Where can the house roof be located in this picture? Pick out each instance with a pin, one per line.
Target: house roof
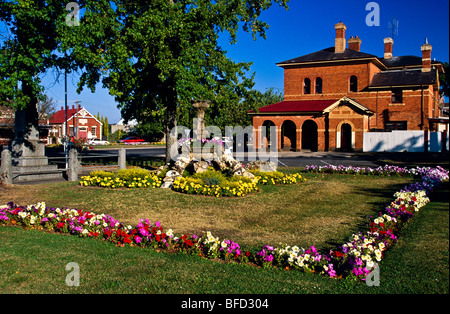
(309, 106)
(59, 117)
(405, 61)
(412, 77)
(328, 55)
(292, 106)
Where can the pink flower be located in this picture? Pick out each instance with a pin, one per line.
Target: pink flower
(137, 239)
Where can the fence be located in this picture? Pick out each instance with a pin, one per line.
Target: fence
(410, 141)
(71, 169)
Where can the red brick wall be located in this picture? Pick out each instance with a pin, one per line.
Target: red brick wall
(336, 83)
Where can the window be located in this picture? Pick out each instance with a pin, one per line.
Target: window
(94, 131)
(307, 86)
(396, 125)
(397, 96)
(318, 85)
(353, 83)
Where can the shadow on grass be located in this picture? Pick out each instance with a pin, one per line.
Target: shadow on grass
(380, 198)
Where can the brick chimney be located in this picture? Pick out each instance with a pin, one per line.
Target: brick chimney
(426, 56)
(388, 47)
(354, 43)
(339, 42)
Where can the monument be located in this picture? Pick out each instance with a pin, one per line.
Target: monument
(201, 155)
(28, 151)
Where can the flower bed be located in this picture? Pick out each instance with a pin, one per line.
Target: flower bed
(210, 183)
(356, 257)
(213, 183)
(129, 178)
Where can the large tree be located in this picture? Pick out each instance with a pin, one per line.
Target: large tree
(156, 56)
(28, 47)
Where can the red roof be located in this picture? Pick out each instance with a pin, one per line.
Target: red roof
(60, 116)
(298, 106)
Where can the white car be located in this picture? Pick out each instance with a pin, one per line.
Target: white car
(97, 141)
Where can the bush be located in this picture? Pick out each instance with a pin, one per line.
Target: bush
(130, 178)
(132, 173)
(210, 177)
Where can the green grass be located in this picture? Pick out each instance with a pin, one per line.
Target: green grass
(34, 261)
(323, 211)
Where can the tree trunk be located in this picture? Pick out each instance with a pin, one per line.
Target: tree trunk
(171, 123)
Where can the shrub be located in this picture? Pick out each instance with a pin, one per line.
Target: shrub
(132, 173)
(210, 177)
(130, 178)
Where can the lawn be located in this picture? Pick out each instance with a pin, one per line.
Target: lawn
(323, 211)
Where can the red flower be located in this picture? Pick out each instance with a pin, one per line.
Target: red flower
(127, 240)
(247, 254)
(60, 225)
(158, 238)
(338, 254)
(189, 242)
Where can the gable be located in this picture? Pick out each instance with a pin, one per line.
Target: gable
(347, 106)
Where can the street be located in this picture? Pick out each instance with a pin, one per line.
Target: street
(285, 159)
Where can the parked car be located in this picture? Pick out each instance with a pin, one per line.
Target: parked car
(132, 139)
(97, 141)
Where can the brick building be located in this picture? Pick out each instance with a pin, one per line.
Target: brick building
(81, 123)
(333, 96)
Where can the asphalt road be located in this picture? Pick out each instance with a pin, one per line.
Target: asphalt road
(284, 159)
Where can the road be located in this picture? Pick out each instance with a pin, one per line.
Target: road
(285, 159)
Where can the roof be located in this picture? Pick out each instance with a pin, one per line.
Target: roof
(310, 106)
(297, 106)
(328, 54)
(412, 77)
(59, 116)
(405, 61)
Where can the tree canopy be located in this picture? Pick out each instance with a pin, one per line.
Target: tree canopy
(156, 56)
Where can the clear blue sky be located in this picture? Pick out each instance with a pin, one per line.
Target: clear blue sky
(306, 27)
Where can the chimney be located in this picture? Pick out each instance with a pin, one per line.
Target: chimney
(426, 56)
(388, 47)
(354, 43)
(339, 42)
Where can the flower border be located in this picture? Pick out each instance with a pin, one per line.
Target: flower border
(355, 258)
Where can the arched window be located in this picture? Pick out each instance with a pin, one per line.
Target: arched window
(353, 83)
(318, 85)
(307, 86)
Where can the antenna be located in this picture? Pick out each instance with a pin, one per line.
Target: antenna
(393, 28)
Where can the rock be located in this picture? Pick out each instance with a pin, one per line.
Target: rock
(167, 185)
(263, 166)
(200, 166)
(247, 174)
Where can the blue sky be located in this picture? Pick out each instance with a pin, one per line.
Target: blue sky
(306, 27)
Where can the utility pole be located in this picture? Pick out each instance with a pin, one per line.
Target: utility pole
(66, 138)
(76, 117)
